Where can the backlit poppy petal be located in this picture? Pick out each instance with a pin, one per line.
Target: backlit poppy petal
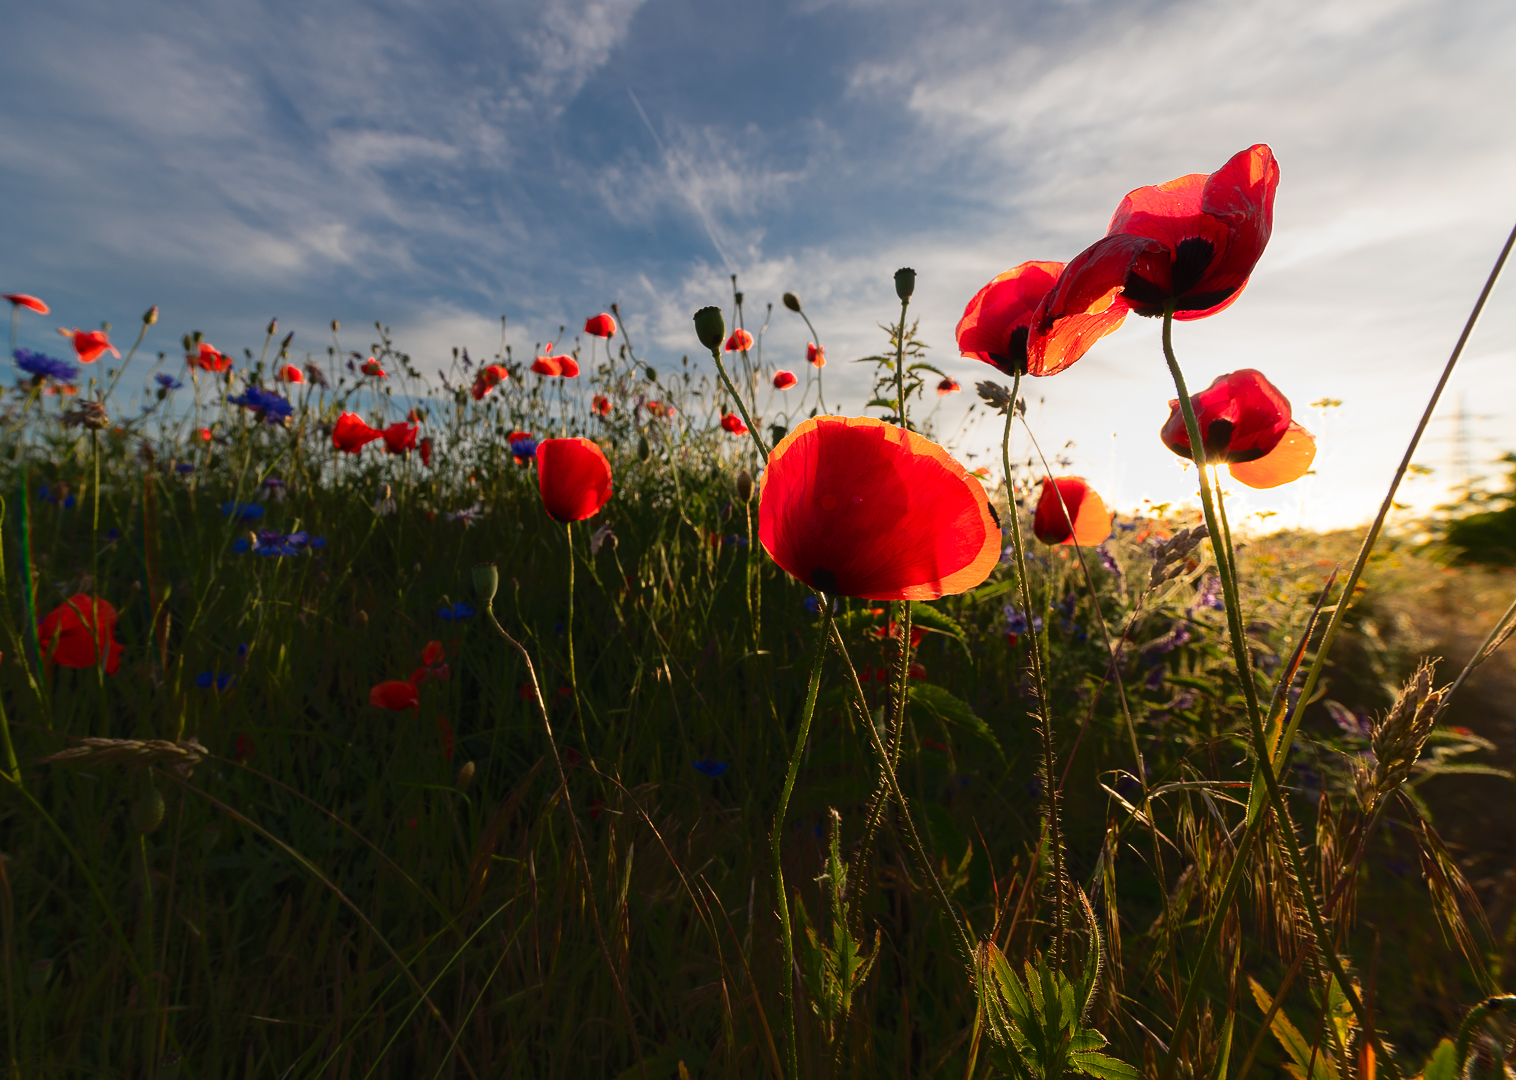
(997, 321)
(602, 326)
(89, 344)
(208, 358)
(350, 434)
(1070, 512)
(857, 507)
(733, 423)
(783, 380)
(740, 341)
(948, 386)
(1290, 459)
(600, 405)
(816, 354)
(547, 365)
(371, 367)
(568, 366)
(23, 300)
(1242, 416)
(394, 695)
(426, 452)
(73, 631)
(574, 478)
(290, 374)
(400, 437)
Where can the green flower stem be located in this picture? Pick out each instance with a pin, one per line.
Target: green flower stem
(913, 838)
(726, 380)
(1237, 633)
(1039, 675)
(897, 731)
(568, 629)
(787, 980)
(28, 589)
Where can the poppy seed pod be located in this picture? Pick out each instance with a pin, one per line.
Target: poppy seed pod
(745, 485)
(905, 282)
(792, 302)
(643, 449)
(486, 581)
(148, 811)
(710, 327)
(652, 373)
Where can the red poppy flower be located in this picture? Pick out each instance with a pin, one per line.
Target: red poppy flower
(948, 386)
(733, 423)
(1245, 423)
(489, 377)
(208, 358)
(23, 300)
(547, 365)
(72, 633)
(371, 367)
(291, 374)
(662, 410)
(432, 653)
(602, 326)
(569, 365)
(740, 341)
(350, 434)
(574, 478)
(1193, 241)
(426, 452)
(783, 380)
(857, 507)
(892, 630)
(400, 437)
(1069, 512)
(205, 434)
(394, 695)
(816, 354)
(89, 344)
(601, 405)
(1001, 325)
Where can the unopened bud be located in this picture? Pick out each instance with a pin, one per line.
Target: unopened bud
(147, 812)
(273, 327)
(744, 485)
(652, 374)
(465, 776)
(188, 343)
(792, 302)
(905, 282)
(335, 326)
(150, 316)
(285, 344)
(710, 327)
(643, 449)
(486, 581)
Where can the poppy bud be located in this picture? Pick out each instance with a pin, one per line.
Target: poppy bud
(465, 776)
(285, 344)
(643, 450)
(652, 374)
(486, 581)
(187, 343)
(147, 812)
(150, 316)
(792, 302)
(744, 485)
(710, 327)
(905, 282)
(335, 326)
(273, 327)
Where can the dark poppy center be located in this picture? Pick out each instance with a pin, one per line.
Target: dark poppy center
(1191, 258)
(825, 580)
(1014, 361)
(1218, 438)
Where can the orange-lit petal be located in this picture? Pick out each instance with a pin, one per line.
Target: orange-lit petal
(1290, 459)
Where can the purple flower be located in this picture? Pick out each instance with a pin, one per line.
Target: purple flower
(35, 363)
(1179, 635)
(525, 448)
(184, 467)
(1108, 560)
(1016, 621)
(270, 407)
(1210, 595)
(1355, 724)
(218, 679)
(710, 767)
(244, 511)
(1154, 681)
(271, 544)
(456, 612)
(168, 382)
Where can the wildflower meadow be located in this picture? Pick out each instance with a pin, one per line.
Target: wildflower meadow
(604, 713)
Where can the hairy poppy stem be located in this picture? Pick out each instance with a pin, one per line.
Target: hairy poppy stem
(1263, 766)
(752, 428)
(776, 839)
(897, 733)
(1050, 782)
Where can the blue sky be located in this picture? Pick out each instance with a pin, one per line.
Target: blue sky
(435, 165)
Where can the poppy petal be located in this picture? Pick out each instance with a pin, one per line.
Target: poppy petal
(574, 478)
(1290, 459)
(1069, 511)
(988, 329)
(857, 507)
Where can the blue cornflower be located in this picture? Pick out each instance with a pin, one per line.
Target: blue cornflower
(167, 381)
(113, 534)
(1016, 621)
(218, 679)
(272, 543)
(271, 407)
(813, 607)
(35, 363)
(456, 612)
(710, 767)
(242, 652)
(524, 448)
(184, 467)
(245, 511)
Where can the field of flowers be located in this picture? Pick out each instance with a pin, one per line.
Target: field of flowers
(574, 717)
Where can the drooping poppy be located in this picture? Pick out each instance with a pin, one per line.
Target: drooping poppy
(816, 354)
(426, 452)
(574, 478)
(208, 358)
(733, 423)
(601, 326)
(548, 365)
(948, 386)
(21, 300)
(371, 367)
(1070, 512)
(568, 366)
(783, 380)
(72, 633)
(89, 344)
(1001, 325)
(1245, 423)
(600, 405)
(1192, 241)
(291, 374)
(740, 341)
(490, 376)
(394, 695)
(350, 434)
(857, 507)
(400, 437)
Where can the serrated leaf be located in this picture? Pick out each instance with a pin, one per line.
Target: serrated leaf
(943, 705)
(929, 618)
(1443, 1064)
(1103, 1067)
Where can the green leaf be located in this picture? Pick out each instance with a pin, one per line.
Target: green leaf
(946, 707)
(1294, 1043)
(1443, 1064)
(929, 618)
(1103, 1067)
